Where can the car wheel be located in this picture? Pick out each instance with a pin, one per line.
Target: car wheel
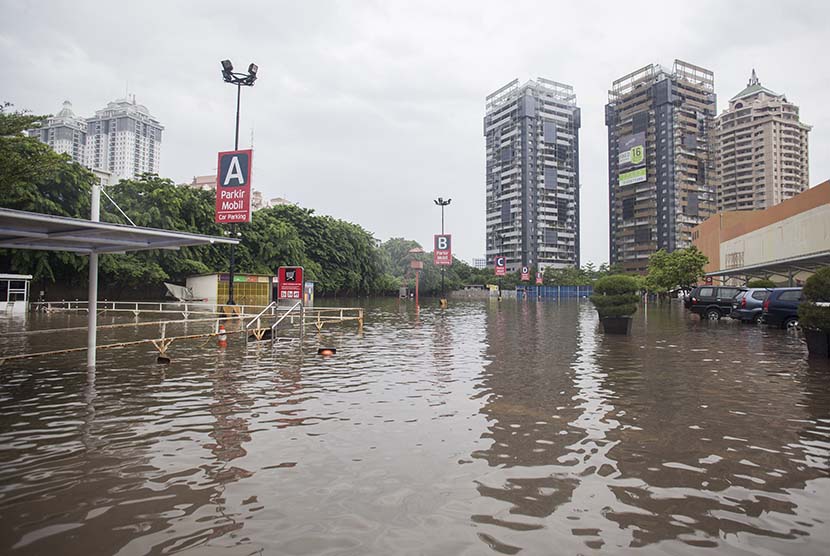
(757, 319)
(713, 314)
(791, 323)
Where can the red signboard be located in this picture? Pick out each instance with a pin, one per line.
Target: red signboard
(290, 283)
(539, 280)
(233, 187)
(500, 265)
(525, 274)
(442, 251)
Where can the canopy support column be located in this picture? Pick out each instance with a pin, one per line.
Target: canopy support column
(92, 320)
(92, 293)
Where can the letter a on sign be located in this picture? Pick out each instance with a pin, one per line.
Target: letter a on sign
(234, 173)
(233, 187)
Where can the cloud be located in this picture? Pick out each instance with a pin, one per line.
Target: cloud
(367, 111)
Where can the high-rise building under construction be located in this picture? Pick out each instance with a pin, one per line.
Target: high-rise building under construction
(532, 175)
(660, 160)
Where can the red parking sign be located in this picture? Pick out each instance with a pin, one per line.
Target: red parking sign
(233, 187)
(500, 265)
(525, 274)
(442, 251)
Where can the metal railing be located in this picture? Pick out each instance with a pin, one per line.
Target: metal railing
(282, 318)
(137, 307)
(257, 318)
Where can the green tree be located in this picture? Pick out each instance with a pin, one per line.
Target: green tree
(157, 202)
(676, 270)
(37, 179)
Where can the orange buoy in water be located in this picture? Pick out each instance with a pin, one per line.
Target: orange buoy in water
(223, 338)
(326, 351)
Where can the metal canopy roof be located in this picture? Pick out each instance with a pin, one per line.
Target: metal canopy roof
(782, 267)
(30, 230)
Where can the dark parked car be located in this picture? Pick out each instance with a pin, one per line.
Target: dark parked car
(781, 307)
(748, 305)
(712, 302)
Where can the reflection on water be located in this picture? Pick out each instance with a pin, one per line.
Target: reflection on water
(491, 427)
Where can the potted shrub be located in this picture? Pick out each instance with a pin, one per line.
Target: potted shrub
(615, 298)
(814, 313)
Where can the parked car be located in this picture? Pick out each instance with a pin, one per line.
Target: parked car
(712, 302)
(781, 307)
(748, 305)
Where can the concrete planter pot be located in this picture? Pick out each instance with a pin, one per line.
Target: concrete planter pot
(616, 325)
(818, 343)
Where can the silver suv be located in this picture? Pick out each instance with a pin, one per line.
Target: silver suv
(748, 305)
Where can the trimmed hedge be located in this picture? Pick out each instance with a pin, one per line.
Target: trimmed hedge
(615, 295)
(817, 289)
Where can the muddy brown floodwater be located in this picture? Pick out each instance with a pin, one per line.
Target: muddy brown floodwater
(513, 427)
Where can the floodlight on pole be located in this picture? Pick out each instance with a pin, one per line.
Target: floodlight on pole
(442, 203)
(238, 79)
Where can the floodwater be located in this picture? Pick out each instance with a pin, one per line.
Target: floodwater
(512, 427)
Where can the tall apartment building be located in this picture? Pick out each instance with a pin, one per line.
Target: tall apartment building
(660, 162)
(761, 155)
(532, 174)
(124, 139)
(65, 133)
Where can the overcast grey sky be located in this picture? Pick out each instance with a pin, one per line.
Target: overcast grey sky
(369, 110)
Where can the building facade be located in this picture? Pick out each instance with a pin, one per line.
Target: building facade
(124, 139)
(205, 183)
(786, 242)
(65, 133)
(532, 175)
(761, 156)
(479, 263)
(660, 160)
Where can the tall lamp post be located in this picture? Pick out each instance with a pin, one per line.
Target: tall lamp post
(442, 203)
(238, 79)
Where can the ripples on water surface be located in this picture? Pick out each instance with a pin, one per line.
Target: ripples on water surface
(506, 428)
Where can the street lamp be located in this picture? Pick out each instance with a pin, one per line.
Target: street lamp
(238, 79)
(442, 203)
